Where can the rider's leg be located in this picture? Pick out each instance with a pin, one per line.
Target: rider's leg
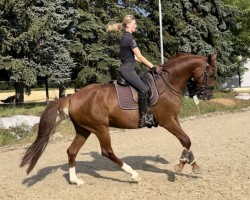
(146, 119)
(129, 74)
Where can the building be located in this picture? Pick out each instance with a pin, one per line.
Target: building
(233, 82)
(246, 76)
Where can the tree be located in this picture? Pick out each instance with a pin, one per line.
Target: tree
(241, 41)
(66, 39)
(193, 26)
(32, 40)
(99, 60)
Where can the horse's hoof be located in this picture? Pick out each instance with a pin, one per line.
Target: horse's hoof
(77, 182)
(178, 169)
(136, 177)
(197, 170)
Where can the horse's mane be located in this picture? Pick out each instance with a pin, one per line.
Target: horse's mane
(178, 60)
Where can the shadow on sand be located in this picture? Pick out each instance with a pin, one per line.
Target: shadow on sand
(100, 163)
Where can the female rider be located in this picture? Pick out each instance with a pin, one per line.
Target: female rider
(129, 53)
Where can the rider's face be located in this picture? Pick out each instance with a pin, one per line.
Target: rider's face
(131, 27)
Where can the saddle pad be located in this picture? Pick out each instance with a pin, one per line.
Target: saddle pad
(125, 97)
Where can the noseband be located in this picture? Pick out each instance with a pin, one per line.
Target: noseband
(204, 89)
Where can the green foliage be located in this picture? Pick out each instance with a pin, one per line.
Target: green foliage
(200, 27)
(241, 41)
(99, 60)
(6, 137)
(21, 69)
(33, 44)
(25, 109)
(12, 135)
(67, 39)
(226, 103)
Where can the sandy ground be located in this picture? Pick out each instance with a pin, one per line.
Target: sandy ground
(221, 145)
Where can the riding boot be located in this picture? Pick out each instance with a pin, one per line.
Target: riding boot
(146, 118)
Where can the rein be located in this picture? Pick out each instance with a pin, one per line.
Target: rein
(175, 92)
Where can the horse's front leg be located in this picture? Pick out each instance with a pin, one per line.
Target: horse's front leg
(187, 156)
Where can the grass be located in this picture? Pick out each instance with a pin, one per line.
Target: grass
(18, 135)
(26, 109)
(188, 108)
(6, 137)
(227, 103)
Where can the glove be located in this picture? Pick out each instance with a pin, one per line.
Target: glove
(157, 69)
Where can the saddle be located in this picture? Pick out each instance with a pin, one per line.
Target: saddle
(128, 96)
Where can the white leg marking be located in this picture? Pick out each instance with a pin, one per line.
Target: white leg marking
(66, 111)
(135, 176)
(73, 178)
(58, 119)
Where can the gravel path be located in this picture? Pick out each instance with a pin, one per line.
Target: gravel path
(221, 145)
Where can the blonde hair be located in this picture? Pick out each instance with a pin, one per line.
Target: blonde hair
(121, 26)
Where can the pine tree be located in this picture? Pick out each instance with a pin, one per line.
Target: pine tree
(100, 60)
(241, 39)
(33, 44)
(192, 26)
(63, 39)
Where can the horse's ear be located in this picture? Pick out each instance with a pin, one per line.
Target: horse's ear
(212, 58)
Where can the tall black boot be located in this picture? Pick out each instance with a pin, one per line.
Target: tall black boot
(146, 118)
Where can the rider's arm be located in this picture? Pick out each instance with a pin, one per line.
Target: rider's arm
(141, 58)
(137, 59)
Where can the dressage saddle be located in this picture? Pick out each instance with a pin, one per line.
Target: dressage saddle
(143, 76)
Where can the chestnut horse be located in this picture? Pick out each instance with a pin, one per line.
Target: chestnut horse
(94, 109)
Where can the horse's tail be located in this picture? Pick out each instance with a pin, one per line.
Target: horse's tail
(50, 118)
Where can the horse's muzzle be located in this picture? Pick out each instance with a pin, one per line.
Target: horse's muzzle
(205, 93)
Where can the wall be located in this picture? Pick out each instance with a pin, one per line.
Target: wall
(246, 77)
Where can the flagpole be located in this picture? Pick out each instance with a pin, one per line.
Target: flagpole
(161, 38)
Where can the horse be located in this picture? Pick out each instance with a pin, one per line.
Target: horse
(94, 108)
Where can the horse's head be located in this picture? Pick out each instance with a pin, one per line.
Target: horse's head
(198, 70)
(203, 79)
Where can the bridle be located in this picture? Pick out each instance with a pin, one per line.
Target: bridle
(204, 89)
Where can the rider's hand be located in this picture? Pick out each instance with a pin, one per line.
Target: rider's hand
(157, 69)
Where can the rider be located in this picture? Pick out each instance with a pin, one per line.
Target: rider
(129, 52)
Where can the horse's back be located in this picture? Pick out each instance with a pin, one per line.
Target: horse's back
(98, 104)
(93, 102)
(93, 94)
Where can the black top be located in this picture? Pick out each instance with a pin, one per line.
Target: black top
(127, 44)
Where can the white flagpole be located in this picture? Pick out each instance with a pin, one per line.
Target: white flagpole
(161, 38)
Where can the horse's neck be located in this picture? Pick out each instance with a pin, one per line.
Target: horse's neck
(179, 77)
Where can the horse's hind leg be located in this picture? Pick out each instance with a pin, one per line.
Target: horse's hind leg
(79, 140)
(107, 151)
